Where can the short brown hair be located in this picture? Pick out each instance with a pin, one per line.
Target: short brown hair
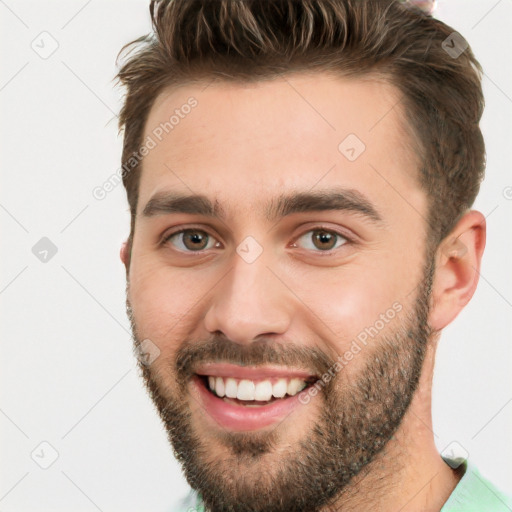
(248, 40)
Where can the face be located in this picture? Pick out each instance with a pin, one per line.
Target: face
(284, 312)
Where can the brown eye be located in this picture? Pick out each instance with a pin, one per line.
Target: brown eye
(191, 240)
(323, 240)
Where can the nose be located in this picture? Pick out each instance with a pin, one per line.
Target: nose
(249, 301)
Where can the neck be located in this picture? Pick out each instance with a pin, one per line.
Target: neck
(408, 475)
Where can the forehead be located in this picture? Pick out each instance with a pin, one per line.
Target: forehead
(241, 141)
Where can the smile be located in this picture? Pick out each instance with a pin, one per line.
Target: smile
(243, 398)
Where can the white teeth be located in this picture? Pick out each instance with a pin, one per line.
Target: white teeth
(279, 388)
(219, 387)
(261, 391)
(231, 388)
(294, 386)
(245, 390)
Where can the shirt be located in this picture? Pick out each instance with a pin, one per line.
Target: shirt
(473, 493)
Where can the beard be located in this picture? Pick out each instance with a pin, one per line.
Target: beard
(261, 471)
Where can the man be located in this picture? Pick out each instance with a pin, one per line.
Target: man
(300, 176)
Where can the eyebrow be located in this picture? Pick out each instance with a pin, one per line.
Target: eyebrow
(341, 199)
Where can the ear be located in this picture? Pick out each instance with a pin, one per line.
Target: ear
(457, 271)
(124, 254)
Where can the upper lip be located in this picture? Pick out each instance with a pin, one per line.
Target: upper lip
(251, 372)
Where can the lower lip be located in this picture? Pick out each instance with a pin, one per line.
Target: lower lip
(240, 417)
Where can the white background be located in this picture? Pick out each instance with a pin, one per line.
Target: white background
(67, 372)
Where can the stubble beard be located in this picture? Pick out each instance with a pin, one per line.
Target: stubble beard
(359, 416)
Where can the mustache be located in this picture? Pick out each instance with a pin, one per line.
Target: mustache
(220, 349)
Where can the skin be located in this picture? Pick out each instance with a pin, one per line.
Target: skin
(242, 145)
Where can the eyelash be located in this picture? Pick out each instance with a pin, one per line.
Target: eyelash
(348, 240)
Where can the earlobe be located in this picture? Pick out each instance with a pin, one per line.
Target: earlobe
(458, 259)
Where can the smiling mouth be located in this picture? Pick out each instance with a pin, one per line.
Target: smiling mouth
(245, 398)
(255, 392)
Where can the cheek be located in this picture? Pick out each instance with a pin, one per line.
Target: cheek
(361, 301)
(164, 304)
